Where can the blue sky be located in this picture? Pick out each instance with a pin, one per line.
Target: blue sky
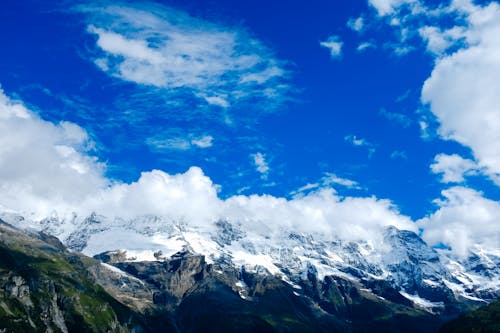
(281, 98)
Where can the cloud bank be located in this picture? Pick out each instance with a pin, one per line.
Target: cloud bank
(464, 220)
(46, 170)
(162, 47)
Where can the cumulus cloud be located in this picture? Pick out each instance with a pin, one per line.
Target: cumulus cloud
(158, 46)
(453, 167)
(438, 40)
(43, 164)
(465, 219)
(334, 45)
(323, 212)
(463, 102)
(386, 7)
(461, 90)
(45, 170)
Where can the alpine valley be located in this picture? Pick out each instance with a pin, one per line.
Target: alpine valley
(154, 274)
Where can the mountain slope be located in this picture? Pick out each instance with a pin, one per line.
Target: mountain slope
(44, 288)
(433, 279)
(483, 320)
(224, 276)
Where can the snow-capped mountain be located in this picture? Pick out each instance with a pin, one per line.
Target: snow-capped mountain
(401, 261)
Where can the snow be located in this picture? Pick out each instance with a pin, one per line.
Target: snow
(334, 256)
(422, 302)
(121, 273)
(241, 284)
(430, 283)
(201, 245)
(252, 261)
(277, 253)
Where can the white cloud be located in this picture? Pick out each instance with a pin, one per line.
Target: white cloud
(203, 142)
(464, 219)
(438, 40)
(362, 47)
(387, 7)
(331, 178)
(399, 154)
(260, 162)
(43, 172)
(328, 181)
(218, 100)
(356, 24)
(159, 143)
(462, 94)
(403, 119)
(43, 164)
(355, 140)
(159, 46)
(425, 132)
(360, 142)
(453, 167)
(461, 91)
(334, 45)
(323, 212)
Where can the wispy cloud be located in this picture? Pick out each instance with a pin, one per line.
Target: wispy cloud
(166, 48)
(360, 142)
(364, 46)
(400, 118)
(356, 24)
(329, 180)
(261, 164)
(334, 45)
(159, 143)
(399, 154)
(332, 179)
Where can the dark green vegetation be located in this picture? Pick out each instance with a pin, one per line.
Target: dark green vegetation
(483, 320)
(45, 288)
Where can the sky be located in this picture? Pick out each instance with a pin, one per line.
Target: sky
(336, 117)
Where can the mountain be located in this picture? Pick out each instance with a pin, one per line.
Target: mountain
(45, 288)
(486, 319)
(225, 277)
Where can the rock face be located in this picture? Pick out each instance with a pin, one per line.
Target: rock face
(44, 288)
(153, 275)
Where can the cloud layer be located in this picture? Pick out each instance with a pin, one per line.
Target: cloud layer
(53, 174)
(43, 164)
(166, 48)
(465, 219)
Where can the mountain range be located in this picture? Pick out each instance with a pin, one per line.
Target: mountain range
(152, 274)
